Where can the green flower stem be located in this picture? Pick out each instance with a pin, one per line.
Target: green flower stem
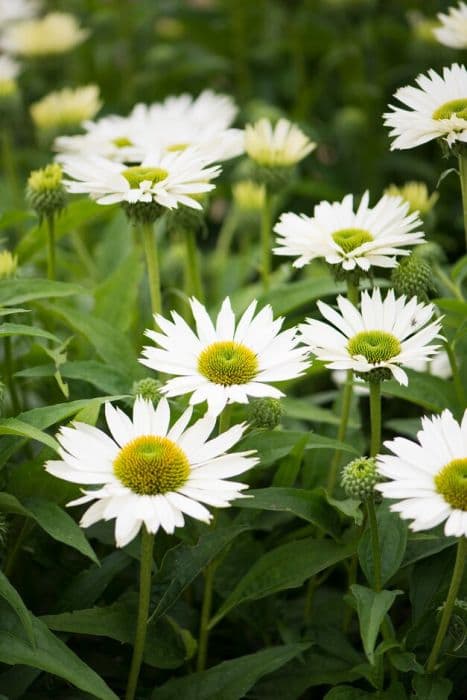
(225, 237)
(205, 616)
(152, 263)
(375, 546)
(448, 283)
(463, 179)
(457, 379)
(193, 281)
(266, 240)
(147, 545)
(51, 247)
(9, 164)
(224, 419)
(375, 418)
(9, 372)
(456, 581)
(352, 292)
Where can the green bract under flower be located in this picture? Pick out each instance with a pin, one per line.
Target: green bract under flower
(351, 238)
(452, 108)
(227, 362)
(451, 483)
(45, 191)
(138, 174)
(151, 465)
(375, 346)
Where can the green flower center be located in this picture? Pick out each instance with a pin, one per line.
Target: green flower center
(456, 108)
(226, 362)
(149, 465)
(177, 147)
(121, 142)
(350, 238)
(137, 174)
(451, 483)
(375, 346)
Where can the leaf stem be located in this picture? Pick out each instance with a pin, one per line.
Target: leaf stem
(51, 268)
(152, 264)
(375, 418)
(205, 616)
(147, 545)
(456, 581)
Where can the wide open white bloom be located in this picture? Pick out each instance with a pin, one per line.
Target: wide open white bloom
(55, 33)
(111, 137)
(368, 237)
(225, 362)
(453, 30)
(169, 179)
(279, 146)
(385, 334)
(14, 10)
(150, 473)
(437, 108)
(430, 475)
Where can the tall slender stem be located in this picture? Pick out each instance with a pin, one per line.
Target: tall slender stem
(456, 377)
(9, 372)
(205, 616)
(266, 240)
(194, 284)
(147, 545)
(51, 247)
(152, 264)
(463, 179)
(456, 581)
(9, 164)
(375, 418)
(375, 546)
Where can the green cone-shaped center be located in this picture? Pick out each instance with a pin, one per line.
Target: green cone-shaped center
(451, 483)
(456, 108)
(226, 362)
(137, 174)
(350, 238)
(121, 142)
(375, 346)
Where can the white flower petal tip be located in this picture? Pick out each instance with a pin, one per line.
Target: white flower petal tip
(149, 473)
(453, 29)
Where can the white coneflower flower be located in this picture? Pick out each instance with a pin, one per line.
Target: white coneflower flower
(369, 237)
(208, 107)
(168, 180)
(66, 108)
(375, 341)
(279, 146)
(453, 30)
(150, 473)
(14, 10)
(437, 109)
(416, 194)
(111, 137)
(227, 362)
(56, 33)
(430, 475)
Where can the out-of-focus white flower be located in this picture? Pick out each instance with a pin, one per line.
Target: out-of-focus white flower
(416, 194)
(55, 33)
(66, 108)
(453, 30)
(279, 146)
(14, 10)
(9, 70)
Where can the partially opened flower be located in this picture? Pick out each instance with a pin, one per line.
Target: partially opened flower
(227, 362)
(417, 196)
(150, 473)
(368, 237)
(376, 341)
(430, 475)
(66, 109)
(437, 108)
(453, 29)
(55, 33)
(279, 146)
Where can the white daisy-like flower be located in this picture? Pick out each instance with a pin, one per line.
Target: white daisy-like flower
(227, 362)
(168, 179)
(15, 10)
(151, 473)
(55, 33)
(208, 107)
(437, 109)
(368, 237)
(111, 137)
(279, 146)
(453, 30)
(430, 475)
(66, 108)
(382, 336)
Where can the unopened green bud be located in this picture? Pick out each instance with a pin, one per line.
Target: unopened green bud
(148, 388)
(413, 277)
(248, 196)
(359, 478)
(265, 413)
(45, 192)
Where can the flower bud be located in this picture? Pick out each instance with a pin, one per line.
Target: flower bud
(45, 192)
(359, 478)
(413, 277)
(265, 413)
(148, 388)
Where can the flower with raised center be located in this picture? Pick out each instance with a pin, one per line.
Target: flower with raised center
(55, 33)
(151, 473)
(279, 146)
(437, 109)
(368, 237)
(111, 137)
(377, 340)
(430, 475)
(160, 181)
(416, 194)
(66, 108)
(453, 29)
(227, 362)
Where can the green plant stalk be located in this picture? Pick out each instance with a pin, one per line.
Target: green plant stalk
(152, 264)
(51, 267)
(456, 377)
(147, 545)
(224, 419)
(266, 241)
(12, 556)
(456, 581)
(463, 179)
(375, 418)
(193, 281)
(203, 639)
(9, 164)
(9, 372)
(448, 283)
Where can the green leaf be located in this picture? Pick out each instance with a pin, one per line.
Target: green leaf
(9, 329)
(11, 595)
(392, 532)
(90, 584)
(126, 276)
(285, 567)
(308, 505)
(303, 409)
(431, 688)
(230, 680)
(100, 375)
(18, 291)
(349, 507)
(372, 607)
(425, 390)
(289, 466)
(346, 692)
(14, 426)
(51, 655)
(288, 297)
(182, 564)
